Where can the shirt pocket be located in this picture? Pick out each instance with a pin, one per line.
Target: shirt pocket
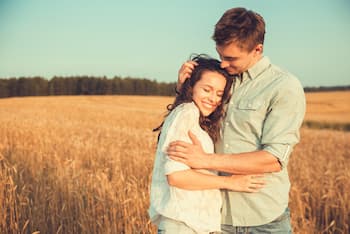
(250, 114)
(252, 105)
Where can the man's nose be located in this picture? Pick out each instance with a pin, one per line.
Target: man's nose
(223, 64)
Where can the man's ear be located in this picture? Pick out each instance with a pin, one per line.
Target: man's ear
(259, 49)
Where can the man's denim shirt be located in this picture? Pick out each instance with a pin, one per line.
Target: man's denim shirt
(265, 112)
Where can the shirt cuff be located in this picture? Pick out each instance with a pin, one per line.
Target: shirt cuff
(280, 151)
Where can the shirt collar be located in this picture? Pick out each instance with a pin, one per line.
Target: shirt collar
(257, 68)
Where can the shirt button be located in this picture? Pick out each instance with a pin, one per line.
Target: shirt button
(227, 123)
(226, 145)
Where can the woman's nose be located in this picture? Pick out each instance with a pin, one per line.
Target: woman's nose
(212, 97)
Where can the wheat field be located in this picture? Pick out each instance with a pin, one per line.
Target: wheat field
(82, 164)
(331, 107)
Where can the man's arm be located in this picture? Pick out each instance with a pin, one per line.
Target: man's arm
(244, 163)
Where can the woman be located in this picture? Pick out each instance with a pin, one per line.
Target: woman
(184, 200)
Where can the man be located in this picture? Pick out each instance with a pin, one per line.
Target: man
(259, 130)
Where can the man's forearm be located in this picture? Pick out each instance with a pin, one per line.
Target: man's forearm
(244, 163)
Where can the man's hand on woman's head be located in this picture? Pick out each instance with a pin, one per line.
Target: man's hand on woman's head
(185, 72)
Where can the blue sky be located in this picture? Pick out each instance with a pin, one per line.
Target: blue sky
(150, 39)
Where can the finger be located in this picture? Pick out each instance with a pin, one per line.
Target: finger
(260, 186)
(253, 190)
(175, 154)
(183, 77)
(174, 150)
(190, 64)
(177, 157)
(262, 182)
(176, 147)
(187, 69)
(193, 62)
(257, 175)
(183, 73)
(249, 190)
(257, 186)
(193, 138)
(180, 144)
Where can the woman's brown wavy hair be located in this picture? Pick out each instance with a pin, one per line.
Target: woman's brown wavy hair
(210, 124)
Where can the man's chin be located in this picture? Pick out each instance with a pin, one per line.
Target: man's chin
(232, 73)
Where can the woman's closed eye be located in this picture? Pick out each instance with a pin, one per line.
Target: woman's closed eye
(220, 95)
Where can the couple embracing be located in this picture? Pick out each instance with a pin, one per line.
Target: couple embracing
(223, 149)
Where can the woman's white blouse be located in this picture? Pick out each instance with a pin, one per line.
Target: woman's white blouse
(199, 209)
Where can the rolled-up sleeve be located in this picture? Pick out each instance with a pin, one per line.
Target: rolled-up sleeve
(285, 116)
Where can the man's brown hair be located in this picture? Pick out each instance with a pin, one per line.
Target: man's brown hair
(242, 26)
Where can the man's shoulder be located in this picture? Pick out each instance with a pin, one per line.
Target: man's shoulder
(284, 78)
(280, 72)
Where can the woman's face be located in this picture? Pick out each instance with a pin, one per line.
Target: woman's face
(208, 92)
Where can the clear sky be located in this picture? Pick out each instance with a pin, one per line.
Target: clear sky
(152, 38)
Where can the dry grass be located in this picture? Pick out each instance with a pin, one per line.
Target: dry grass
(82, 164)
(320, 176)
(330, 107)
